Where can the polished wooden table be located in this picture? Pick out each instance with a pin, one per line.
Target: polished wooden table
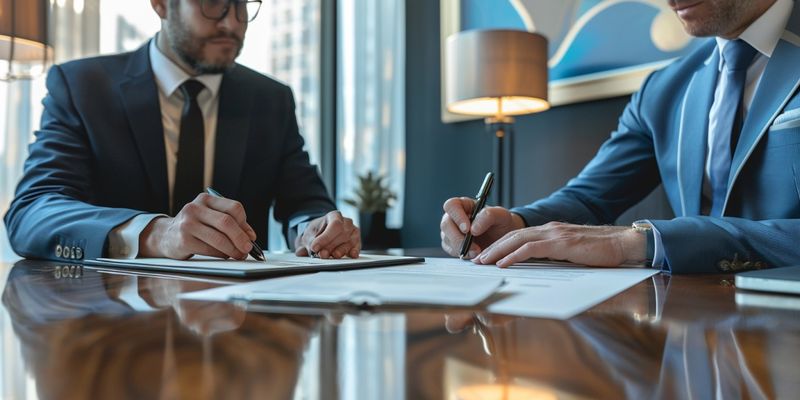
(70, 332)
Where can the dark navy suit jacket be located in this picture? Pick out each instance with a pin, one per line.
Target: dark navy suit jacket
(661, 139)
(99, 157)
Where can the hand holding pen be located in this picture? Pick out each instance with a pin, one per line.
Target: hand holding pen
(466, 217)
(256, 251)
(210, 225)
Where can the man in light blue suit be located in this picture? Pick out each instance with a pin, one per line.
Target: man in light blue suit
(719, 128)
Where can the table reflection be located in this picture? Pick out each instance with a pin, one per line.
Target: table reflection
(92, 335)
(655, 347)
(85, 334)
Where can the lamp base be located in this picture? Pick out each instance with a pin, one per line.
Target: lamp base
(503, 159)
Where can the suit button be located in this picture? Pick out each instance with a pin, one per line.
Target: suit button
(78, 253)
(72, 253)
(58, 250)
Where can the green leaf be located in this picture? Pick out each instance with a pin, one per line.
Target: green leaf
(372, 194)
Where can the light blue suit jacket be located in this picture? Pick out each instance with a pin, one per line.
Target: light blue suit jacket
(662, 138)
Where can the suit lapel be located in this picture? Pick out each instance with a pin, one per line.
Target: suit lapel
(778, 84)
(140, 98)
(692, 140)
(233, 126)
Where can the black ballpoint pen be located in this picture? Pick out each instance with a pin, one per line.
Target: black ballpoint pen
(256, 251)
(480, 201)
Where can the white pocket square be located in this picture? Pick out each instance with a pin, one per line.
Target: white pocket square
(785, 124)
(787, 116)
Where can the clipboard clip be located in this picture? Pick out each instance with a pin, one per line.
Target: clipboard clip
(364, 298)
(358, 299)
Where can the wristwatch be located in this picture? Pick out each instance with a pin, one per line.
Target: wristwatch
(646, 228)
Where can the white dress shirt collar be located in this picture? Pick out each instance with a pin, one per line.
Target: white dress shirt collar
(170, 77)
(765, 32)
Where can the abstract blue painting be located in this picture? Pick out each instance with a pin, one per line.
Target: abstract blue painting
(588, 36)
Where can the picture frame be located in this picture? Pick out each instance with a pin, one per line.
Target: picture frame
(573, 85)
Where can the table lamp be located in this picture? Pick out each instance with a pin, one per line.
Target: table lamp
(497, 74)
(24, 46)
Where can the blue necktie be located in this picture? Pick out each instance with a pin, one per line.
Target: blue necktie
(737, 55)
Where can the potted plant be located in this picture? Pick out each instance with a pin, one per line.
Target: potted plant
(372, 198)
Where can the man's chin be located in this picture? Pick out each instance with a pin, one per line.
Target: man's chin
(215, 65)
(213, 68)
(217, 62)
(199, 65)
(698, 29)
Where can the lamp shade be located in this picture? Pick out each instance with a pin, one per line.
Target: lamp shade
(496, 73)
(23, 33)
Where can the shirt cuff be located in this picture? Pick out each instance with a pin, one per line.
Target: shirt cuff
(298, 225)
(301, 227)
(123, 241)
(659, 257)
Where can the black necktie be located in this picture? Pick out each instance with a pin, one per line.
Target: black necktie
(191, 149)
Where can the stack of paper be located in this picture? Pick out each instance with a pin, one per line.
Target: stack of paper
(535, 290)
(371, 288)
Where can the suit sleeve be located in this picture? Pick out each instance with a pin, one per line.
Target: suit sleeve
(622, 173)
(702, 244)
(52, 215)
(302, 194)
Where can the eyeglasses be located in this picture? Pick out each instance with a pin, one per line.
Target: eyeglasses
(246, 10)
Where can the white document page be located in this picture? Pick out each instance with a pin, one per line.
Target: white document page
(363, 287)
(540, 290)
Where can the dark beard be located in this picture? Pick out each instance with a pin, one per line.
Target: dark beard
(190, 49)
(189, 56)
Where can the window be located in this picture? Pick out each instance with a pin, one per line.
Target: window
(125, 27)
(371, 98)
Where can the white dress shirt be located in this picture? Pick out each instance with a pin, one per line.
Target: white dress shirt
(123, 241)
(763, 34)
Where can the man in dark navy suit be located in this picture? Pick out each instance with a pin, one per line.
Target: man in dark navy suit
(719, 129)
(129, 142)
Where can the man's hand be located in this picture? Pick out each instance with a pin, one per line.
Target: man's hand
(330, 236)
(490, 224)
(209, 226)
(601, 246)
